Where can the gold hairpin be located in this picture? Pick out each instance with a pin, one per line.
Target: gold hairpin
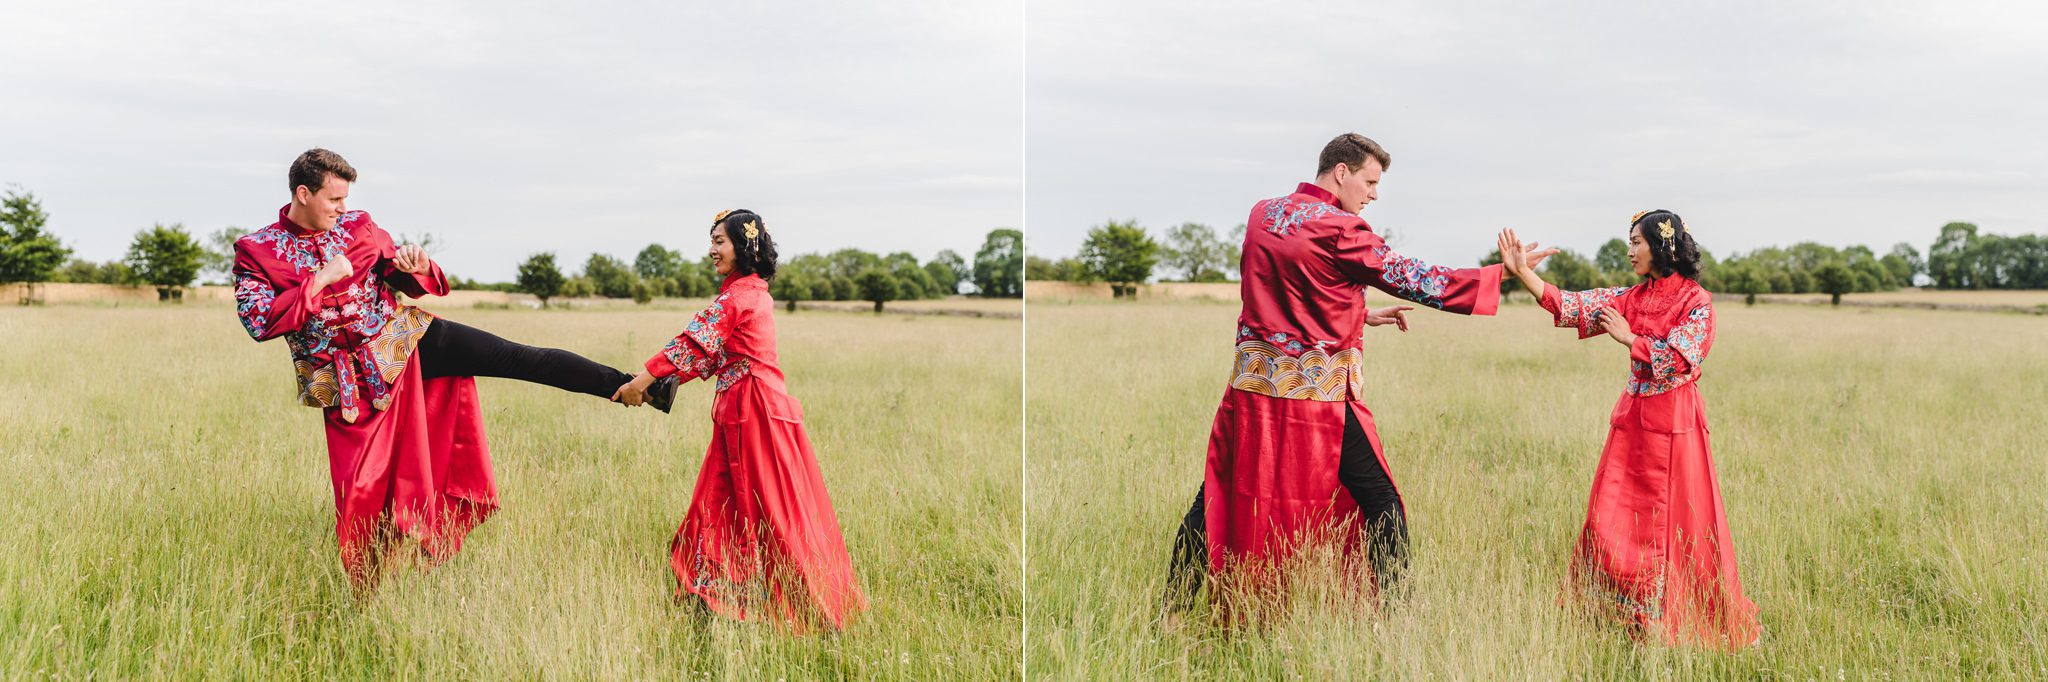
(721, 216)
(753, 231)
(1664, 229)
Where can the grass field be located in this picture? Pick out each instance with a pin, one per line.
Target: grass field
(1883, 473)
(169, 513)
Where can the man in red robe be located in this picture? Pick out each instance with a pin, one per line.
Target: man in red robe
(1293, 449)
(405, 436)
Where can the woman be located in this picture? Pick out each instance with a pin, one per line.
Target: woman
(760, 539)
(1655, 549)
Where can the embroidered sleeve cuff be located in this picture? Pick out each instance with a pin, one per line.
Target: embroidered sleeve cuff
(1640, 349)
(659, 365)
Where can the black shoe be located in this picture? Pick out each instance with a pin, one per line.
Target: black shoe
(662, 393)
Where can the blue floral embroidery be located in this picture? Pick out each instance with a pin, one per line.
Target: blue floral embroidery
(1413, 279)
(1674, 359)
(1284, 215)
(252, 304)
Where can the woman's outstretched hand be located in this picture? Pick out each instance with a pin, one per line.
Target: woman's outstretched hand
(1521, 260)
(1389, 315)
(1611, 323)
(634, 393)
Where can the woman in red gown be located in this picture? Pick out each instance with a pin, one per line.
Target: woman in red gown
(1655, 550)
(760, 539)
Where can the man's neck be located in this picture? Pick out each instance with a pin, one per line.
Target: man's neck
(298, 217)
(1328, 182)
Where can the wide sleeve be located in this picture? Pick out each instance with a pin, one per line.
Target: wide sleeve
(1366, 259)
(417, 285)
(699, 351)
(1679, 352)
(1575, 308)
(266, 312)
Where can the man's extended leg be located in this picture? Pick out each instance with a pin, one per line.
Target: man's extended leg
(453, 349)
(1379, 503)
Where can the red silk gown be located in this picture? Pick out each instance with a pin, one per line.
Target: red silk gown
(1275, 447)
(404, 453)
(1655, 550)
(760, 538)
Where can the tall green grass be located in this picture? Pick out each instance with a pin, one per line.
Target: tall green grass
(168, 512)
(1885, 474)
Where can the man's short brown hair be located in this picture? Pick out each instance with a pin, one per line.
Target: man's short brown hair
(1351, 149)
(313, 166)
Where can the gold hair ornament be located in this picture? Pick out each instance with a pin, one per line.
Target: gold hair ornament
(753, 231)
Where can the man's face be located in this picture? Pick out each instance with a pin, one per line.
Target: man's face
(325, 204)
(1356, 188)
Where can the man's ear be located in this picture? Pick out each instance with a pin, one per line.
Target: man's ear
(301, 195)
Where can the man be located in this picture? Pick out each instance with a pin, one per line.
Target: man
(1293, 449)
(405, 436)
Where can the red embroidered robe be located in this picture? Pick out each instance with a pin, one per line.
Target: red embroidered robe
(1275, 447)
(1656, 546)
(760, 537)
(401, 450)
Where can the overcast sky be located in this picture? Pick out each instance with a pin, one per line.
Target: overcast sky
(509, 128)
(1761, 123)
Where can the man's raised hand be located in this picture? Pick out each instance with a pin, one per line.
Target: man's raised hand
(412, 259)
(337, 269)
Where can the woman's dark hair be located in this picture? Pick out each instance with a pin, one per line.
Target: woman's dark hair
(1677, 253)
(754, 256)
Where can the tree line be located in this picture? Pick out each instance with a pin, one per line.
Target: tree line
(170, 258)
(1124, 254)
(843, 275)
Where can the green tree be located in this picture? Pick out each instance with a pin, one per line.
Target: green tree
(539, 276)
(82, 271)
(219, 262)
(947, 270)
(656, 262)
(609, 275)
(850, 263)
(27, 253)
(166, 257)
(999, 265)
(1612, 259)
(1121, 254)
(1834, 279)
(1904, 263)
(844, 289)
(879, 286)
(791, 287)
(695, 282)
(1946, 262)
(578, 287)
(1572, 272)
(1062, 270)
(915, 283)
(1194, 251)
(1743, 278)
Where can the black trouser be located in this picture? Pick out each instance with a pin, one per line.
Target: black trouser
(1359, 470)
(453, 349)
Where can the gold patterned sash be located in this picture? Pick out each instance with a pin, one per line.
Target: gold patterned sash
(389, 349)
(1263, 369)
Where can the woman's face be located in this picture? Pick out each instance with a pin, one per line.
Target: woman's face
(1639, 252)
(721, 251)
